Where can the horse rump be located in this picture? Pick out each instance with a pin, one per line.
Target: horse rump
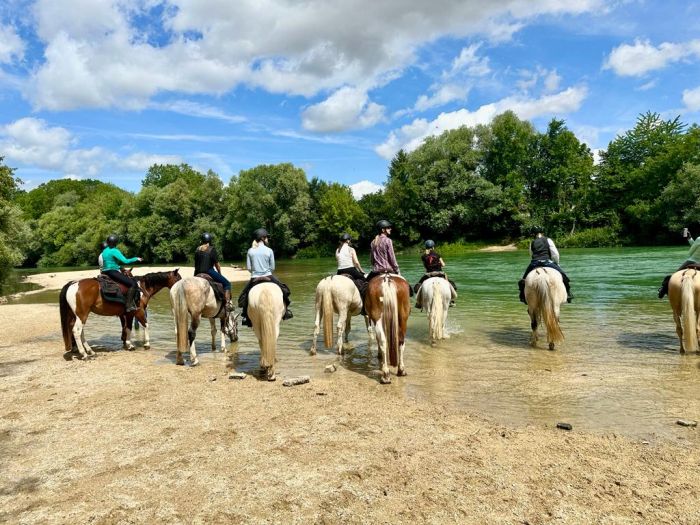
(390, 320)
(67, 318)
(689, 315)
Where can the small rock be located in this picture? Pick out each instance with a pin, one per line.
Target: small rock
(584, 375)
(296, 381)
(564, 426)
(321, 394)
(212, 378)
(686, 423)
(547, 369)
(237, 375)
(645, 442)
(331, 368)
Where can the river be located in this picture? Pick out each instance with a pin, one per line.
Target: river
(619, 369)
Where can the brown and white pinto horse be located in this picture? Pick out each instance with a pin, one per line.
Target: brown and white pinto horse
(79, 298)
(388, 306)
(684, 296)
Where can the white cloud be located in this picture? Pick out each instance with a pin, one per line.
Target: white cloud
(469, 62)
(364, 187)
(444, 95)
(551, 81)
(195, 109)
(11, 45)
(97, 56)
(641, 57)
(691, 99)
(529, 79)
(143, 161)
(347, 108)
(410, 136)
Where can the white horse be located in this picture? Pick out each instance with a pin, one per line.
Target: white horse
(265, 311)
(434, 295)
(545, 292)
(194, 298)
(336, 294)
(684, 296)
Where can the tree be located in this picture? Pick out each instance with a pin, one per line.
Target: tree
(13, 230)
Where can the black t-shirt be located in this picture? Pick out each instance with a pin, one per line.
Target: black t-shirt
(431, 261)
(204, 260)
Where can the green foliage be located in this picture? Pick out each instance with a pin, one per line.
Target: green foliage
(592, 238)
(315, 252)
(14, 231)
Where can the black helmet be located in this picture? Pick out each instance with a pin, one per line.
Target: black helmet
(206, 238)
(537, 229)
(429, 244)
(383, 224)
(345, 237)
(112, 241)
(260, 234)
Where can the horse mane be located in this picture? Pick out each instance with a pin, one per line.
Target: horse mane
(153, 279)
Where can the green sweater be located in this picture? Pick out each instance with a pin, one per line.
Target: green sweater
(112, 257)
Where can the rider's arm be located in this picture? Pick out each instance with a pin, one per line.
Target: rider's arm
(391, 256)
(120, 257)
(355, 261)
(553, 251)
(272, 261)
(442, 263)
(248, 263)
(694, 249)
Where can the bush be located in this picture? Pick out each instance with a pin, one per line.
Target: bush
(604, 237)
(315, 252)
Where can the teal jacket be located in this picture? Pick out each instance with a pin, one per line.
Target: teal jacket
(694, 254)
(112, 258)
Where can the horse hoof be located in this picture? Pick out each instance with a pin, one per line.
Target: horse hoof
(272, 377)
(312, 351)
(385, 380)
(551, 346)
(146, 347)
(180, 362)
(401, 373)
(195, 362)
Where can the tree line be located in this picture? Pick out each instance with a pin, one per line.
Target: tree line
(487, 183)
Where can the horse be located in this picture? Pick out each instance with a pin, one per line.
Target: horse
(78, 298)
(194, 297)
(388, 307)
(265, 311)
(338, 294)
(684, 296)
(434, 294)
(544, 293)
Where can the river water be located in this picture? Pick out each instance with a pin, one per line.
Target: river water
(619, 369)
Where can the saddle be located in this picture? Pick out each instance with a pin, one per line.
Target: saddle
(216, 286)
(111, 291)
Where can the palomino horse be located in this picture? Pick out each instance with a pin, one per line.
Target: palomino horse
(388, 307)
(684, 296)
(338, 294)
(434, 295)
(194, 298)
(79, 298)
(265, 311)
(545, 292)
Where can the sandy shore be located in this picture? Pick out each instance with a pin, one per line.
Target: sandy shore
(123, 439)
(504, 248)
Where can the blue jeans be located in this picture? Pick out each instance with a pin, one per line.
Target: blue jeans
(219, 278)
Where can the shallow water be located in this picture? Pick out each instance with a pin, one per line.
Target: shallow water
(619, 369)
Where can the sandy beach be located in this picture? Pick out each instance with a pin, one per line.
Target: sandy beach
(122, 439)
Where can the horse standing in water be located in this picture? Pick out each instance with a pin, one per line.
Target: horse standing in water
(684, 296)
(545, 292)
(194, 298)
(78, 298)
(336, 293)
(388, 307)
(265, 311)
(434, 294)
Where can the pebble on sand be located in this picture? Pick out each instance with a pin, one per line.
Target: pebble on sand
(686, 423)
(564, 426)
(296, 381)
(237, 375)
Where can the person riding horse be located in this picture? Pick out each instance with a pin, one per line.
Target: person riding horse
(692, 260)
(544, 253)
(111, 259)
(433, 264)
(346, 256)
(260, 262)
(381, 254)
(206, 260)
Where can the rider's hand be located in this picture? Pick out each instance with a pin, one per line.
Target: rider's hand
(140, 259)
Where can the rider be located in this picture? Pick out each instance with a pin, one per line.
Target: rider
(434, 264)
(261, 263)
(692, 260)
(381, 254)
(346, 256)
(100, 259)
(112, 258)
(206, 260)
(544, 253)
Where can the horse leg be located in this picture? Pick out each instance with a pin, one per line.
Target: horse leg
(348, 327)
(402, 368)
(212, 327)
(341, 329)
(679, 330)
(143, 320)
(191, 334)
(533, 326)
(78, 336)
(317, 329)
(88, 349)
(385, 378)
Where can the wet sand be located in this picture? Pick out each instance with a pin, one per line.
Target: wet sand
(122, 439)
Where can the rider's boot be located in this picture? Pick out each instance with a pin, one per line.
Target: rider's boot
(521, 285)
(131, 305)
(664, 287)
(287, 314)
(228, 305)
(569, 295)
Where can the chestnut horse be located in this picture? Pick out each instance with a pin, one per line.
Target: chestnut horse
(79, 298)
(545, 292)
(388, 307)
(684, 296)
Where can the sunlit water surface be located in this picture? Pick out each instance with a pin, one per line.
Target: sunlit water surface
(619, 369)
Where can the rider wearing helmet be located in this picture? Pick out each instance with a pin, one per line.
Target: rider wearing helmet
(381, 253)
(346, 256)
(260, 262)
(206, 260)
(112, 259)
(433, 264)
(544, 253)
(693, 260)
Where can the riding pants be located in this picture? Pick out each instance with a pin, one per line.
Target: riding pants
(219, 278)
(132, 294)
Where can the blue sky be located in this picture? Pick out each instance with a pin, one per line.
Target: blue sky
(105, 88)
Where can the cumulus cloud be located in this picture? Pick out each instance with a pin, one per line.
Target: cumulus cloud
(410, 136)
(530, 79)
(100, 53)
(443, 95)
(11, 45)
(364, 187)
(347, 108)
(467, 61)
(641, 57)
(691, 99)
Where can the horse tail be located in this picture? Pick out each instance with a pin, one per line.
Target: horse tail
(546, 300)
(436, 311)
(267, 326)
(327, 312)
(688, 313)
(180, 311)
(67, 318)
(390, 320)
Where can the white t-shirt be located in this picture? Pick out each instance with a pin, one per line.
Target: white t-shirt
(344, 256)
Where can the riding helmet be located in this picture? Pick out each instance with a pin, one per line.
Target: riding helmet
(537, 229)
(206, 238)
(345, 237)
(383, 224)
(260, 234)
(112, 241)
(429, 244)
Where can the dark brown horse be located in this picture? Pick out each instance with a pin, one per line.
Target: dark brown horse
(388, 306)
(79, 298)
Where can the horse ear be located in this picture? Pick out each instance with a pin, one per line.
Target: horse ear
(176, 270)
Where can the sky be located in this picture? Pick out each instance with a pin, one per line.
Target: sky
(103, 89)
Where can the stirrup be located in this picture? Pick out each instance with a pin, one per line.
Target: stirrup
(287, 315)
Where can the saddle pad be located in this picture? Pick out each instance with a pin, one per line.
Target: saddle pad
(110, 290)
